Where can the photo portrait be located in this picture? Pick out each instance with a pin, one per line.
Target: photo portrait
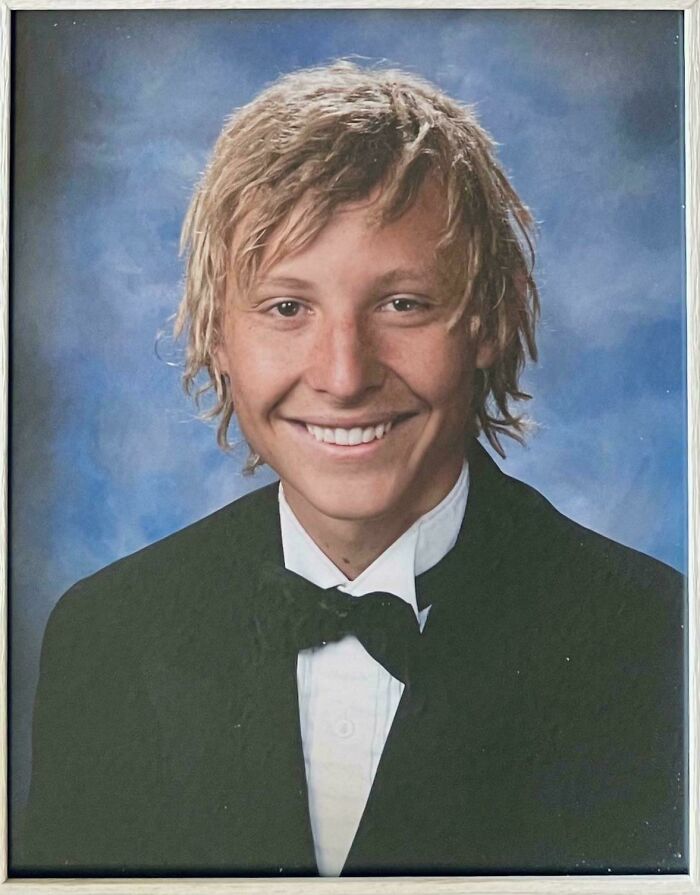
(395, 585)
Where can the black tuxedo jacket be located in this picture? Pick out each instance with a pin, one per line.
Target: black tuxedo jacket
(543, 731)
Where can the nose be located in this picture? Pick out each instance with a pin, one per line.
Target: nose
(344, 362)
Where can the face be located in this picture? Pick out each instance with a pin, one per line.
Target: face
(345, 375)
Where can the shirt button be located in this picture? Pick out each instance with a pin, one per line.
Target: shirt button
(343, 728)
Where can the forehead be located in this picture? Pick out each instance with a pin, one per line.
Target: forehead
(360, 231)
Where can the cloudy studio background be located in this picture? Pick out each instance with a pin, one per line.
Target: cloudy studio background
(114, 116)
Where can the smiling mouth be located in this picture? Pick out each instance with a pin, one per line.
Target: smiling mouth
(354, 436)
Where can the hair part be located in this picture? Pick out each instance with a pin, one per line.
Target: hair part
(333, 135)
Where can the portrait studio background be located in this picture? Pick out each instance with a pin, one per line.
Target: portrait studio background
(111, 131)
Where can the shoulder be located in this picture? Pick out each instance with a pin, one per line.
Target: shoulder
(595, 625)
(538, 528)
(187, 569)
(577, 551)
(571, 571)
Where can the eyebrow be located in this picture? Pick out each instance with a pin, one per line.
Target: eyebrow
(394, 275)
(291, 282)
(401, 274)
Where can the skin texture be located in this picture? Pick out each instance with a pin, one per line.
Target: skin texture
(352, 330)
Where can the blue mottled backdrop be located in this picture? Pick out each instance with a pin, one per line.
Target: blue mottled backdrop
(114, 114)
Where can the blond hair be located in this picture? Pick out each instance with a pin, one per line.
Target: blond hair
(335, 134)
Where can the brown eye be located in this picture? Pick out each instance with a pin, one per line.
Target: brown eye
(405, 304)
(288, 308)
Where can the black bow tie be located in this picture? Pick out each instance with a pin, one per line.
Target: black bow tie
(384, 624)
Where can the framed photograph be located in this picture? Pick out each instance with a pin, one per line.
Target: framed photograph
(351, 368)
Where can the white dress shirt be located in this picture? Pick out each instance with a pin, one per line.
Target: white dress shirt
(347, 700)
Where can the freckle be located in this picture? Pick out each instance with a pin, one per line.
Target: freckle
(346, 560)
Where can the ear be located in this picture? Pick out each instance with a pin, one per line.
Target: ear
(485, 355)
(221, 358)
(486, 352)
(220, 376)
(219, 352)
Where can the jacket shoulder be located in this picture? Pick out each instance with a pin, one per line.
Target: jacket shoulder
(560, 569)
(622, 601)
(188, 566)
(547, 531)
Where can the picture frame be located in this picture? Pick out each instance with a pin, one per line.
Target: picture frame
(569, 884)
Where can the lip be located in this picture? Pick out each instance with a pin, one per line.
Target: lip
(353, 423)
(349, 451)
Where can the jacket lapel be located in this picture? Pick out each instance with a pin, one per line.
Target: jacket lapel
(225, 693)
(425, 813)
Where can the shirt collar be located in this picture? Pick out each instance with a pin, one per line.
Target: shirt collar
(423, 545)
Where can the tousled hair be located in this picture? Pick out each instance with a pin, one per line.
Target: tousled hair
(334, 135)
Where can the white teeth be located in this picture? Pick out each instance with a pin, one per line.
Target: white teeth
(353, 436)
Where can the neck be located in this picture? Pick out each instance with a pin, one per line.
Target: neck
(352, 545)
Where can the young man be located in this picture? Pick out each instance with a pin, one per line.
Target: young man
(399, 660)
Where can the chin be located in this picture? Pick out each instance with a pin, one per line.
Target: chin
(355, 500)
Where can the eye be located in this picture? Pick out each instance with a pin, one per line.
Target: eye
(287, 308)
(405, 303)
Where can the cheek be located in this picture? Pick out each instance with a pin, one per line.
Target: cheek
(437, 369)
(259, 373)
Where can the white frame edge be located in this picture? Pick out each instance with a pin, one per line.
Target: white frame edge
(692, 200)
(5, 108)
(489, 885)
